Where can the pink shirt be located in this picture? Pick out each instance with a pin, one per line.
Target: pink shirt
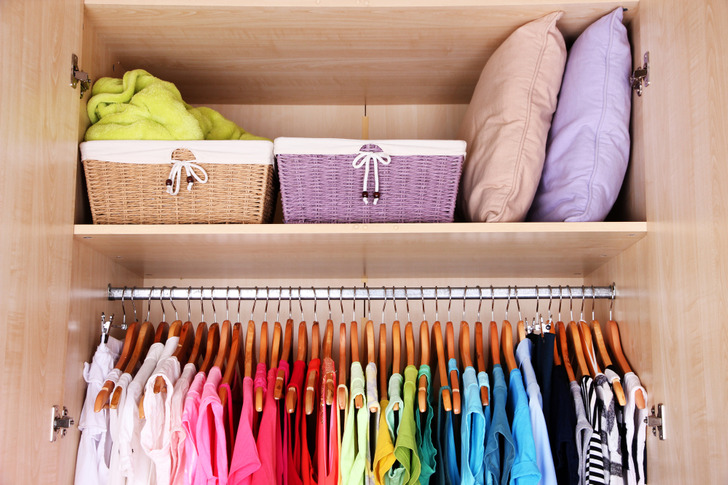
(293, 422)
(245, 452)
(282, 439)
(327, 445)
(212, 468)
(267, 473)
(189, 423)
(177, 434)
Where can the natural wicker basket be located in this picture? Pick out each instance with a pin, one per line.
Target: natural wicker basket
(135, 193)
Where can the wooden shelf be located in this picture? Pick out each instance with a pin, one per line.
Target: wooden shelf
(321, 51)
(293, 251)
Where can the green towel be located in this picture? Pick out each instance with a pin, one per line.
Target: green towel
(143, 107)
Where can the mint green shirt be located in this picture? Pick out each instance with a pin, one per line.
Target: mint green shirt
(354, 442)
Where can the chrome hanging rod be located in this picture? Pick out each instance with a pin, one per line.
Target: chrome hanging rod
(365, 293)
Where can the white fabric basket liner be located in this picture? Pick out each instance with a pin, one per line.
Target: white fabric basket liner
(259, 152)
(341, 146)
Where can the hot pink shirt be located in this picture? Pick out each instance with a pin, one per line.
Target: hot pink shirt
(267, 435)
(293, 421)
(245, 459)
(327, 445)
(212, 462)
(189, 423)
(282, 438)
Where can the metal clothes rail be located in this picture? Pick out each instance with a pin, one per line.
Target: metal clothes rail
(364, 293)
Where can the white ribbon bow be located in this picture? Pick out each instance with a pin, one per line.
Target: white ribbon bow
(175, 175)
(364, 159)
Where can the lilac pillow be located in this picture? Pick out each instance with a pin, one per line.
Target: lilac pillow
(588, 146)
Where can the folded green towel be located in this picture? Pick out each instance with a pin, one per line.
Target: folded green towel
(143, 107)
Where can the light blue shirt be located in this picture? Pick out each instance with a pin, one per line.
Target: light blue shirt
(472, 448)
(499, 430)
(544, 458)
(525, 468)
(451, 459)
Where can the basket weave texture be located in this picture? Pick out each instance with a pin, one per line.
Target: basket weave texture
(327, 189)
(134, 193)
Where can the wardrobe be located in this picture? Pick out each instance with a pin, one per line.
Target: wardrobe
(314, 68)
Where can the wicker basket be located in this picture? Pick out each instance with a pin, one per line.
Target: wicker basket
(335, 180)
(127, 182)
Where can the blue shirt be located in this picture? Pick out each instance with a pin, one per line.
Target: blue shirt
(452, 464)
(440, 475)
(525, 469)
(499, 431)
(473, 431)
(544, 458)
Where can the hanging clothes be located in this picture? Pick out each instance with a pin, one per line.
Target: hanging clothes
(268, 428)
(595, 472)
(525, 467)
(115, 476)
(178, 436)
(245, 460)
(189, 424)
(309, 459)
(327, 442)
(542, 357)
(499, 449)
(210, 433)
(584, 431)
(634, 419)
(294, 420)
(405, 448)
(354, 442)
(425, 447)
(609, 429)
(472, 448)
(538, 422)
(372, 400)
(283, 438)
(94, 447)
(562, 432)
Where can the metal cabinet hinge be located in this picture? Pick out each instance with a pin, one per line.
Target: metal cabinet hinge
(59, 422)
(656, 421)
(640, 77)
(78, 76)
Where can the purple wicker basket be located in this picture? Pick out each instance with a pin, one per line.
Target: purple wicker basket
(328, 180)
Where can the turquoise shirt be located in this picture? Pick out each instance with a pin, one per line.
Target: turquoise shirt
(425, 446)
(472, 447)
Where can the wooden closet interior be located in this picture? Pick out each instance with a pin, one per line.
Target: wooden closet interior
(333, 68)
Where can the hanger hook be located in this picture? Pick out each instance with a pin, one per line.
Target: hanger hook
(328, 299)
(212, 302)
(133, 306)
(449, 304)
(300, 303)
(255, 300)
(341, 302)
(611, 303)
(594, 301)
(583, 297)
(290, 303)
(278, 309)
(406, 302)
(368, 306)
(202, 306)
(518, 302)
(189, 309)
(480, 302)
(561, 299)
(240, 299)
(227, 303)
(353, 305)
(315, 305)
(267, 300)
(508, 302)
(149, 302)
(123, 310)
(394, 304)
(437, 310)
(537, 300)
(465, 292)
(551, 300)
(161, 302)
(571, 303)
(171, 301)
(384, 305)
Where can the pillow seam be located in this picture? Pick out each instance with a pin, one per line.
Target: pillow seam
(528, 117)
(600, 126)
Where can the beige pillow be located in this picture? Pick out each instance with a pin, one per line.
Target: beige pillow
(508, 120)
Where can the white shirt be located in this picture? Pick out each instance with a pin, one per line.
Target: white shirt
(94, 447)
(634, 420)
(115, 476)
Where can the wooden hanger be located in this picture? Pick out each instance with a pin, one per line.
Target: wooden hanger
(480, 359)
(441, 366)
(301, 350)
(248, 361)
(615, 343)
(341, 390)
(507, 345)
(578, 353)
(563, 346)
(409, 341)
(309, 396)
(132, 331)
(494, 347)
(454, 381)
(275, 347)
(223, 349)
(143, 342)
(262, 357)
(588, 349)
(285, 356)
(184, 346)
(396, 353)
(371, 354)
(465, 344)
(330, 385)
(162, 332)
(521, 330)
(211, 347)
(354, 340)
(606, 360)
(232, 361)
(424, 360)
(382, 361)
(198, 345)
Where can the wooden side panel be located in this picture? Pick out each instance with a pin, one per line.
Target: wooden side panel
(673, 282)
(38, 136)
(91, 273)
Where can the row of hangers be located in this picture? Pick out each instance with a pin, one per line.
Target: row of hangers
(221, 345)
